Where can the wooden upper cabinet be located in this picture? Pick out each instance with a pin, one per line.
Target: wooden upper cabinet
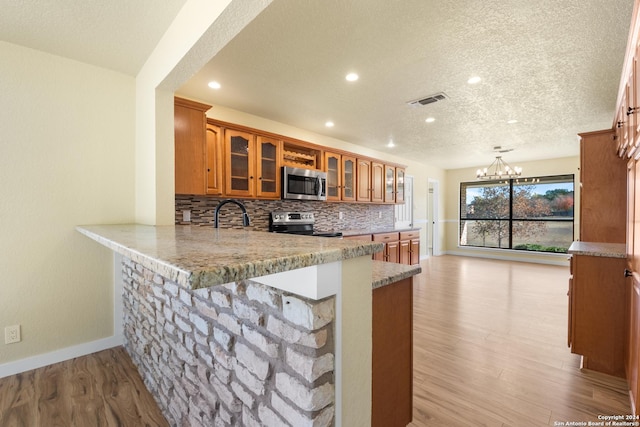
(223, 159)
(190, 157)
(333, 168)
(603, 196)
(400, 185)
(214, 160)
(252, 165)
(363, 193)
(240, 156)
(268, 167)
(389, 184)
(377, 182)
(348, 190)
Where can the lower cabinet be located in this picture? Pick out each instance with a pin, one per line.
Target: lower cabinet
(391, 252)
(409, 247)
(598, 313)
(392, 357)
(402, 247)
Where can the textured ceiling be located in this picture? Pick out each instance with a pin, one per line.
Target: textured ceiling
(114, 34)
(553, 66)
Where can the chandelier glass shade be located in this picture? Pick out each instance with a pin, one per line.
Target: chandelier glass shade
(499, 169)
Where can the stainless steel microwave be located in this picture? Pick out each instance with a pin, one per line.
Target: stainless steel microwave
(303, 184)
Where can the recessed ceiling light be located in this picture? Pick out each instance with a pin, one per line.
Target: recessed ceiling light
(329, 124)
(512, 121)
(473, 80)
(352, 77)
(214, 85)
(391, 144)
(430, 120)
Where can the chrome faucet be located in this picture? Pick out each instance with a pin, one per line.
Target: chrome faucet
(245, 215)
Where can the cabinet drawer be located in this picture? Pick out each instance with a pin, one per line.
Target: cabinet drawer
(386, 237)
(366, 237)
(408, 235)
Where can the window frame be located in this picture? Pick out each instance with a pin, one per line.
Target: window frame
(510, 219)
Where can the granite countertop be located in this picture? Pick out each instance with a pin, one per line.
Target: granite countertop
(385, 273)
(608, 250)
(199, 257)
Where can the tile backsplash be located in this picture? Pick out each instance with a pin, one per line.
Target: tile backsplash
(355, 216)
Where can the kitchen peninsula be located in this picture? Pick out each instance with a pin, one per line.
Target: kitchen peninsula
(250, 327)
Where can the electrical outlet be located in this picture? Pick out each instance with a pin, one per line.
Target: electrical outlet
(186, 216)
(12, 334)
(340, 215)
(379, 215)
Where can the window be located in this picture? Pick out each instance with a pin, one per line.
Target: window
(534, 214)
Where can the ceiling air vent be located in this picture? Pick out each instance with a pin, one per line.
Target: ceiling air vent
(441, 96)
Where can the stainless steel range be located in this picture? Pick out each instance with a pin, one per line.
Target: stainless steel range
(296, 223)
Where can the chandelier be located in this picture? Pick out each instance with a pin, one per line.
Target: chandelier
(499, 169)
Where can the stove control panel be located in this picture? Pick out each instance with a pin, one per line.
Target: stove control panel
(281, 217)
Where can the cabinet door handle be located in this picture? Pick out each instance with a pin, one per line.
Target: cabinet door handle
(627, 272)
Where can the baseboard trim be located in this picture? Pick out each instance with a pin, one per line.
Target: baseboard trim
(554, 259)
(34, 362)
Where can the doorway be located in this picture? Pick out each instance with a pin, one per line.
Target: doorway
(433, 228)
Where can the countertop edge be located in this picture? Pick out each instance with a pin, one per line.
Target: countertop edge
(386, 273)
(213, 275)
(598, 249)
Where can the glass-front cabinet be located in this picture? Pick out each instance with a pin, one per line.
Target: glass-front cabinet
(239, 168)
(252, 165)
(399, 185)
(334, 175)
(389, 184)
(348, 178)
(268, 172)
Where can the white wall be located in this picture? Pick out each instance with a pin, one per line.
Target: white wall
(561, 166)
(85, 145)
(66, 158)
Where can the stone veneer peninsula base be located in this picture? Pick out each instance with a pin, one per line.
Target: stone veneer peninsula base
(237, 354)
(232, 327)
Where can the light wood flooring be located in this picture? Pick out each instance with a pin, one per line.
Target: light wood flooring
(101, 389)
(489, 350)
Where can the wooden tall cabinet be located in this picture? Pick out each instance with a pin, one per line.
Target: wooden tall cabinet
(190, 146)
(603, 196)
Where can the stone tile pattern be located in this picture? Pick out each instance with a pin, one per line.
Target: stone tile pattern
(239, 354)
(327, 214)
